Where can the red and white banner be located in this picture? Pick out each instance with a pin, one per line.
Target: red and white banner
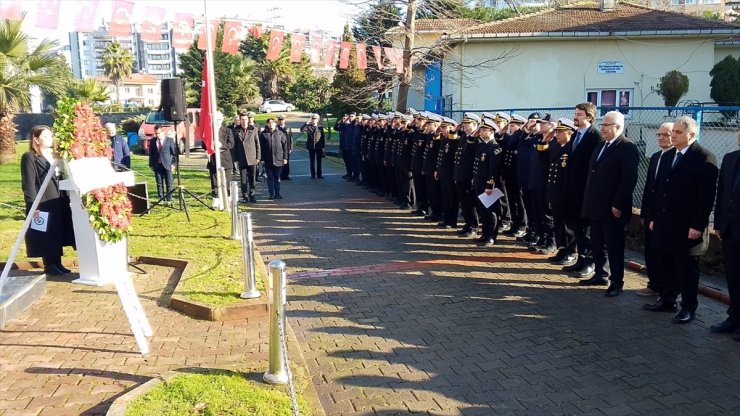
(47, 14)
(151, 27)
(316, 42)
(11, 10)
(377, 52)
(182, 31)
(395, 56)
(256, 31)
(85, 16)
(232, 37)
(120, 22)
(297, 43)
(213, 27)
(344, 55)
(361, 55)
(206, 132)
(276, 43)
(330, 52)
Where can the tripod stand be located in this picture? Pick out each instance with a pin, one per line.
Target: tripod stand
(180, 188)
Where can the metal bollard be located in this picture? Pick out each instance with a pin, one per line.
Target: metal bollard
(235, 211)
(250, 286)
(277, 372)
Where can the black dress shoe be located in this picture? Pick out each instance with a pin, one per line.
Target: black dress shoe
(441, 224)
(567, 260)
(586, 271)
(725, 327)
(471, 233)
(63, 269)
(488, 242)
(684, 317)
(614, 290)
(463, 230)
(661, 306)
(578, 265)
(252, 199)
(558, 256)
(278, 196)
(52, 270)
(594, 281)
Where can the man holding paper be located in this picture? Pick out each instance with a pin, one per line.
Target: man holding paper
(486, 169)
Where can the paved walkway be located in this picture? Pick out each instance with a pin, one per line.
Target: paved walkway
(72, 352)
(395, 315)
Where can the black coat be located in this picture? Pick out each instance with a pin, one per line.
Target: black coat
(59, 231)
(446, 158)
(611, 181)
(487, 166)
(648, 194)
(274, 147)
(577, 172)
(226, 145)
(684, 198)
(247, 145)
(314, 136)
(558, 159)
(727, 213)
(167, 157)
(288, 132)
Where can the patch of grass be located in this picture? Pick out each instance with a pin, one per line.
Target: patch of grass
(215, 275)
(219, 392)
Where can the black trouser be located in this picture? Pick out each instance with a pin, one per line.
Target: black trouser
(504, 210)
(467, 199)
(564, 238)
(684, 281)
(365, 170)
(420, 189)
(401, 190)
(314, 159)
(51, 260)
(390, 180)
(527, 201)
(658, 269)
(407, 187)
(488, 219)
(607, 239)
(347, 158)
(515, 199)
(581, 229)
(433, 194)
(731, 254)
(450, 203)
(286, 169)
(247, 176)
(542, 217)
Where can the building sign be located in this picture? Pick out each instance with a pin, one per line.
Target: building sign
(610, 67)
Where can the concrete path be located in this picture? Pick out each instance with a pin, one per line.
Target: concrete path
(395, 315)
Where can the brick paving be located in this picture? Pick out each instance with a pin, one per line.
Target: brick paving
(72, 352)
(395, 315)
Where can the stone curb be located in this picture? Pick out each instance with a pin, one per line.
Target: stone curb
(707, 291)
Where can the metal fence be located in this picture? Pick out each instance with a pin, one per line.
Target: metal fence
(718, 128)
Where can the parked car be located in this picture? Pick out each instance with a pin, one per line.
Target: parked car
(187, 131)
(275, 105)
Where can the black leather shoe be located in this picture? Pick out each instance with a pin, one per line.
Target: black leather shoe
(488, 242)
(661, 306)
(557, 257)
(594, 281)
(614, 290)
(725, 327)
(63, 269)
(578, 265)
(469, 234)
(546, 249)
(586, 271)
(463, 230)
(278, 196)
(441, 224)
(252, 199)
(684, 317)
(52, 270)
(568, 260)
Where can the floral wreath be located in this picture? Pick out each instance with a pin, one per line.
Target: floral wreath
(79, 135)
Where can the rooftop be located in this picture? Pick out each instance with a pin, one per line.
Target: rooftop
(439, 25)
(138, 79)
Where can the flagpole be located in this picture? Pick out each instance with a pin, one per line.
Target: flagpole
(216, 143)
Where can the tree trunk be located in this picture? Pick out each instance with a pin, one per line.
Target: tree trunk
(410, 29)
(273, 86)
(7, 139)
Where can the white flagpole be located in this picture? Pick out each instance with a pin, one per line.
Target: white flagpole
(216, 143)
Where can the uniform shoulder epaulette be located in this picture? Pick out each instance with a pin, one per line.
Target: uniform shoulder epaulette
(436, 137)
(543, 146)
(453, 136)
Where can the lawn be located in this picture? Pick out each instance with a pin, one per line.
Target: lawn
(216, 272)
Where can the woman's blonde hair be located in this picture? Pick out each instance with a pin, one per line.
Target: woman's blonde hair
(35, 134)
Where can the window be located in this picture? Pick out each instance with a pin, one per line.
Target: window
(709, 1)
(682, 2)
(611, 99)
(127, 90)
(150, 90)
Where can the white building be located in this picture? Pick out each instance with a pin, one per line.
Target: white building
(138, 90)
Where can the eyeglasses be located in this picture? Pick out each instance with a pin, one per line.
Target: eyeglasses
(662, 135)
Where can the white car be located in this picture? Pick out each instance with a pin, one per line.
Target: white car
(275, 105)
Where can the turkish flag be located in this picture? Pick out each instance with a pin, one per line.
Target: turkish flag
(330, 52)
(344, 55)
(276, 44)
(256, 31)
(206, 128)
(316, 42)
(213, 27)
(395, 55)
(11, 10)
(297, 43)
(361, 55)
(151, 27)
(47, 14)
(232, 37)
(120, 22)
(182, 31)
(85, 18)
(377, 52)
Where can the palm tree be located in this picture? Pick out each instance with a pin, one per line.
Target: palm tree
(88, 89)
(118, 64)
(275, 71)
(20, 69)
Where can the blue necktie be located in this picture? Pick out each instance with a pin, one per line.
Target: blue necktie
(679, 155)
(577, 140)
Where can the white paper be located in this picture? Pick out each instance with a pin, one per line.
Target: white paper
(39, 223)
(488, 200)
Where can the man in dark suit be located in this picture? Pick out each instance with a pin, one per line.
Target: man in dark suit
(246, 141)
(288, 132)
(274, 149)
(314, 144)
(583, 143)
(226, 144)
(607, 201)
(162, 158)
(727, 227)
(680, 217)
(660, 161)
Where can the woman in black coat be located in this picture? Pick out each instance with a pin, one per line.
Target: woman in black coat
(35, 165)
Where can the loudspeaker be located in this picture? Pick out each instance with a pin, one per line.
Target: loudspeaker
(173, 99)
